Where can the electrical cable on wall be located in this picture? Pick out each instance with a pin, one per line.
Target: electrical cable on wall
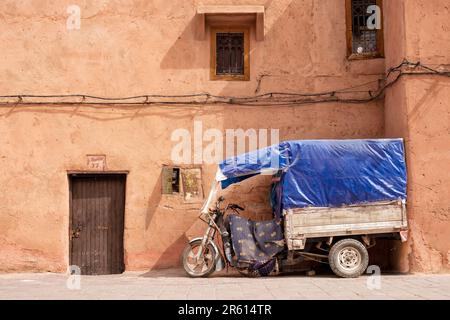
(266, 99)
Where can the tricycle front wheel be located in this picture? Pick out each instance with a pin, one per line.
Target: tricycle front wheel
(197, 265)
(348, 258)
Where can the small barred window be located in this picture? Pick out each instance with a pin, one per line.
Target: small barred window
(364, 28)
(230, 54)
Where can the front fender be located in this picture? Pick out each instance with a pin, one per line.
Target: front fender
(220, 262)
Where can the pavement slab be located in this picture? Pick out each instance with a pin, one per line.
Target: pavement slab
(175, 285)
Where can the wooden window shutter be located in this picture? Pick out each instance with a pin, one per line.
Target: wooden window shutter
(167, 174)
(192, 183)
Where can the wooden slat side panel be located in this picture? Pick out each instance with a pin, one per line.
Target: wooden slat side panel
(344, 229)
(357, 220)
(347, 216)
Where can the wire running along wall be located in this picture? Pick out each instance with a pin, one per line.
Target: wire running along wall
(406, 68)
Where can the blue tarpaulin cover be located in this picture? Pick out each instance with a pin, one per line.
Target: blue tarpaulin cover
(327, 173)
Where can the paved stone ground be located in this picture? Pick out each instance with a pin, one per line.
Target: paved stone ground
(173, 284)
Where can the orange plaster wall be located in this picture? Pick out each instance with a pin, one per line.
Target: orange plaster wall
(136, 47)
(417, 109)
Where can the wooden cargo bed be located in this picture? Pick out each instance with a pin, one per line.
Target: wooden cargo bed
(374, 218)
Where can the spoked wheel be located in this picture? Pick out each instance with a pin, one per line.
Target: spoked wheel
(348, 258)
(201, 266)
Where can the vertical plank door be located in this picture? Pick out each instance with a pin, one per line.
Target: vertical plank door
(97, 205)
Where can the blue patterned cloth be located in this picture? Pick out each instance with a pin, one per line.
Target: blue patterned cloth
(254, 242)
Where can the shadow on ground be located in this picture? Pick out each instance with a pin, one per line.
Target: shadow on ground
(232, 273)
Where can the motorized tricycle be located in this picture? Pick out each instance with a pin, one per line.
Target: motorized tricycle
(331, 200)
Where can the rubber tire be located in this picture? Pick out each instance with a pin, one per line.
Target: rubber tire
(333, 258)
(204, 274)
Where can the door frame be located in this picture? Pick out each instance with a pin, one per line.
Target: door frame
(74, 173)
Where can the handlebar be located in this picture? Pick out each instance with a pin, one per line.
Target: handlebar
(235, 206)
(232, 206)
(219, 201)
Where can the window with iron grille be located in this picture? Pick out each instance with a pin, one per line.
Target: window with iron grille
(363, 40)
(229, 54)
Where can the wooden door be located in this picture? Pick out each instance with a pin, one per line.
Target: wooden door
(97, 206)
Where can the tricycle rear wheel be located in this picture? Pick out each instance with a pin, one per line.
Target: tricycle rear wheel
(348, 258)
